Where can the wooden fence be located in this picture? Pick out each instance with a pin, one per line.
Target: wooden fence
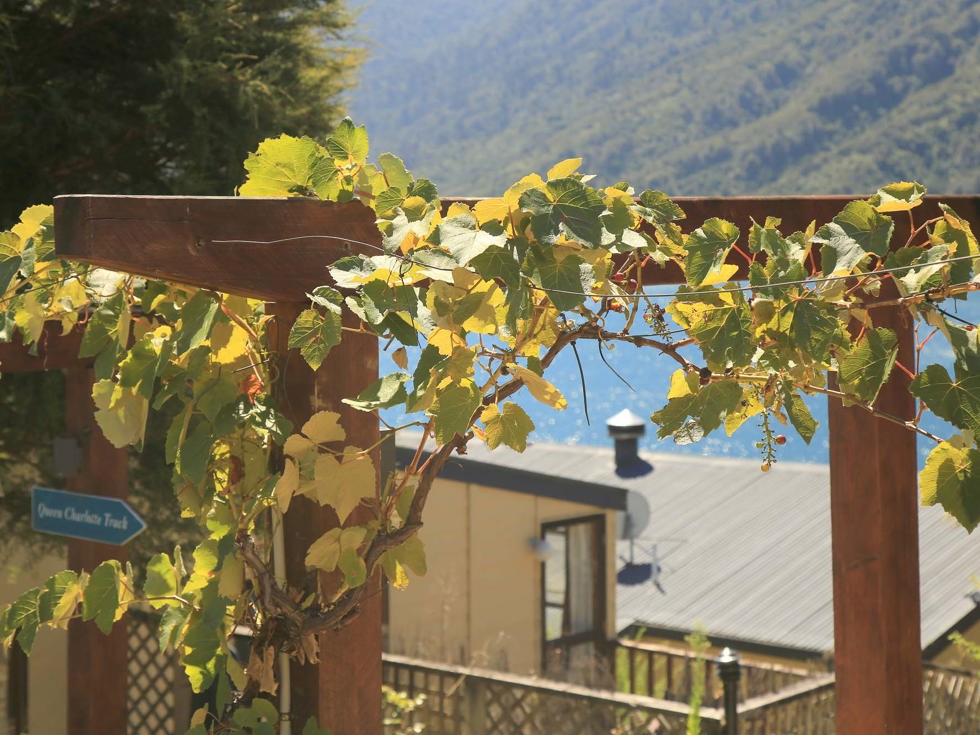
(467, 701)
(665, 672)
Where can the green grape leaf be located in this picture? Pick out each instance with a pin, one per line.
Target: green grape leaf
(172, 623)
(140, 366)
(707, 248)
(498, 262)
(720, 322)
(695, 410)
(60, 592)
(384, 393)
(956, 401)
(101, 601)
(388, 199)
(951, 478)
(657, 208)
(453, 408)
(866, 367)
(8, 268)
(353, 567)
(311, 728)
(200, 644)
(858, 231)
(161, 580)
(23, 617)
(410, 555)
(566, 282)
(510, 426)
(196, 319)
(121, 412)
(349, 142)
(288, 166)
(395, 172)
(314, 334)
(577, 208)
(464, 240)
(194, 453)
(899, 197)
(925, 268)
(799, 415)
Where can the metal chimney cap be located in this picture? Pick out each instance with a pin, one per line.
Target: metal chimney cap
(625, 424)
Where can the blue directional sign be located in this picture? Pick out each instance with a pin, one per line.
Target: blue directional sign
(88, 517)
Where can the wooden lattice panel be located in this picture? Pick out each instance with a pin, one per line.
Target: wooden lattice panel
(150, 697)
(951, 702)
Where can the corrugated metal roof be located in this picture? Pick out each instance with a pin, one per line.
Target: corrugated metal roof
(746, 553)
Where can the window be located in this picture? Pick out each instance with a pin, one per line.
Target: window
(573, 596)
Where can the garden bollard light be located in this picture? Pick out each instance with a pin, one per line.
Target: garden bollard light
(730, 672)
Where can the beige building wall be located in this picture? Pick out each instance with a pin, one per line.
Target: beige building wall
(47, 685)
(480, 603)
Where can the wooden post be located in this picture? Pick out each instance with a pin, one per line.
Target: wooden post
(343, 691)
(874, 519)
(97, 664)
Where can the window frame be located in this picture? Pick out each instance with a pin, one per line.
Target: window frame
(597, 634)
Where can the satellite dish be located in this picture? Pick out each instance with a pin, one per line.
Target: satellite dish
(631, 522)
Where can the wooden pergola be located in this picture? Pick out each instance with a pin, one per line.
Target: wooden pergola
(238, 245)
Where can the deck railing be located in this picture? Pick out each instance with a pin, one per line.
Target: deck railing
(467, 701)
(656, 670)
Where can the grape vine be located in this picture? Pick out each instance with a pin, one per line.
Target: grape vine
(488, 295)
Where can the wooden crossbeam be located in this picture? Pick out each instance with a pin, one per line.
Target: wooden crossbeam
(54, 351)
(270, 249)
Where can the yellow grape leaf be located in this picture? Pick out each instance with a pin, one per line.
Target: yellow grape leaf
(121, 412)
(70, 296)
(231, 579)
(64, 611)
(324, 427)
(612, 193)
(722, 275)
(510, 426)
(445, 340)
(30, 317)
(287, 485)
(31, 220)
(396, 575)
(457, 209)
(409, 243)
(539, 387)
(342, 484)
(902, 196)
(325, 552)
(229, 345)
(564, 168)
(512, 196)
(679, 387)
(487, 210)
(749, 406)
(296, 446)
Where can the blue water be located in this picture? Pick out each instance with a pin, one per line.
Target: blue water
(648, 374)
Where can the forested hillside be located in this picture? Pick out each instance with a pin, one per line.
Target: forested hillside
(715, 97)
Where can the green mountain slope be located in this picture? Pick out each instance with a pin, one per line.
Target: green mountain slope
(716, 97)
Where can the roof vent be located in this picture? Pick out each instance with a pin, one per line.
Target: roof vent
(626, 428)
